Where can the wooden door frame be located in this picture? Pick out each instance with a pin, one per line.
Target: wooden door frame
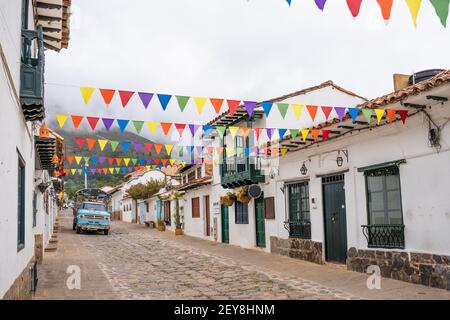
(207, 208)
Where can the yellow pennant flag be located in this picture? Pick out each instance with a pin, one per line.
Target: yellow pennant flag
(152, 126)
(233, 131)
(86, 93)
(183, 164)
(414, 8)
(305, 133)
(102, 144)
(73, 171)
(169, 148)
(78, 159)
(229, 151)
(111, 170)
(283, 151)
(148, 168)
(127, 161)
(172, 162)
(62, 118)
(298, 109)
(380, 114)
(200, 103)
(216, 162)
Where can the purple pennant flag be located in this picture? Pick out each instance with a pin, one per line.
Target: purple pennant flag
(108, 123)
(321, 4)
(269, 133)
(250, 107)
(145, 98)
(200, 150)
(340, 112)
(193, 129)
(93, 171)
(130, 169)
(137, 146)
(149, 161)
(102, 160)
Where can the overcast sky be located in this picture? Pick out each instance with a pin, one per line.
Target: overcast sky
(243, 49)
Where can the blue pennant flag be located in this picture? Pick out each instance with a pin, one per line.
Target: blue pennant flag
(164, 99)
(207, 129)
(124, 170)
(125, 145)
(267, 106)
(353, 113)
(190, 149)
(142, 161)
(248, 152)
(282, 132)
(94, 160)
(123, 124)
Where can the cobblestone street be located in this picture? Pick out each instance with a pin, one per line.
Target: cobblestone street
(135, 262)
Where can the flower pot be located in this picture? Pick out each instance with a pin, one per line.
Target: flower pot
(226, 201)
(162, 228)
(178, 232)
(245, 199)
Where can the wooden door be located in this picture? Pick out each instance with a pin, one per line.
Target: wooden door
(225, 225)
(207, 217)
(260, 222)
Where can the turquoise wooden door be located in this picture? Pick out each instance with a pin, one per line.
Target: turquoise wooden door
(158, 210)
(142, 212)
(260, 222)
(225, 225)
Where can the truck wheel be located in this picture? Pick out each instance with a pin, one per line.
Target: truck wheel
(106, 232)
(78, 230)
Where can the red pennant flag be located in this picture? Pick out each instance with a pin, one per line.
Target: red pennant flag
(327, 111)
(312, 111)
(70, 159)
(105, 170)
(76, 120)
(232, 106)
(91, 143)
(325, 134)
(210, 150)
(157, 161)
(217, 104)
(257, 132)
(93, 122)
(107, 95)
(136, 168)
(148, 147)
(166, 127)
(158, 148)
(125, 97)
(219, 151)
(391, 115)
(180, 127)
(80, 142)
(403, 115)
(99, 171)
(354, 6)
(110, 161)
(315, 134)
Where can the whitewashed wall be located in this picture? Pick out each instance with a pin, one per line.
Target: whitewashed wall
(197, 226)
(20, 139)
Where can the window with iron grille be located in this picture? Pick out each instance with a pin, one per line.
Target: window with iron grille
(241, 213)
(34, 208)
(298, 224)
(385, 227)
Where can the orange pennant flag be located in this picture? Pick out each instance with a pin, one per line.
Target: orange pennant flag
(166, 127)
(158, 148)
(107, 95)
(70, 159)
(105, 170)
(76, 120)
(391, 115)
(245, 132)
(315, 134)
(91, 143)
(217, 104)
(312, 111)
(118, 161)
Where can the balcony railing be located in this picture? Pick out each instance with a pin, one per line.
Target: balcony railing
(32, 75)
(385, 236)
(239, 171)
(298, 228)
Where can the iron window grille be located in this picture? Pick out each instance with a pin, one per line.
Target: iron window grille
(385, 236)
(241, 213)
(298, 223)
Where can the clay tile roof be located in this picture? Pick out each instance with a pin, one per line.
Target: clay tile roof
(415, 89)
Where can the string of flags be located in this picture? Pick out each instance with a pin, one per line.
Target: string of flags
(440, 6)
(166, 127)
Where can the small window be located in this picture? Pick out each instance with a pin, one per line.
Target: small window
(269, 208)
(34, 208)
(241, 214)
(21, 204)
(195, 207)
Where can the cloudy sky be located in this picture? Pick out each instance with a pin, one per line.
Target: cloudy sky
(243, 49)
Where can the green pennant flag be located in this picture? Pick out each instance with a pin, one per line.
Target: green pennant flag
(134, 161)
(283, 108)
(239, 151)
(86, 160)
(294, 133)
(182, 102)
(221, 131)
(117, 170)
(114, 145)
(367, 114)
(80, 171)
(138, 125)
(441, 7)
(180, 150)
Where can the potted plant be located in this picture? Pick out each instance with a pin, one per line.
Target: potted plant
(161, 225)
(178, 230)
(229, 199)
(243, 196)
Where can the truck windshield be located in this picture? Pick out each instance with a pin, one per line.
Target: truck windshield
(94, 206)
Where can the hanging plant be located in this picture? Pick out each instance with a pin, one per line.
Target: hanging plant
(243, 195)
(229, 199)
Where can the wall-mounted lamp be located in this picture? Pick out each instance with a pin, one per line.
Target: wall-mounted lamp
(304, 169)
(340, 159)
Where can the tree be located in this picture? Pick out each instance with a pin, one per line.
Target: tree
(143, 191)
(177, 196)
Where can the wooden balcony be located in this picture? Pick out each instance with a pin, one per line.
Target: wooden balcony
(239, 171)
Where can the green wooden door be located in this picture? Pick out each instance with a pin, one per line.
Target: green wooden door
(225, 225)
(260, 222)
(335, 219)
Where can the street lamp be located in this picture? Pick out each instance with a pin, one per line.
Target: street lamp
(304, 169)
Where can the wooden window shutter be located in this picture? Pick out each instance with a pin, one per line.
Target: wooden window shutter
(195, 208)
(269, 208)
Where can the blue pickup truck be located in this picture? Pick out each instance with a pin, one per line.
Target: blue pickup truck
(92, 216)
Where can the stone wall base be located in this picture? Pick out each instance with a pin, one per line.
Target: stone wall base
(39, 247)
(301, 249)
(419, 268)
(21, 288)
